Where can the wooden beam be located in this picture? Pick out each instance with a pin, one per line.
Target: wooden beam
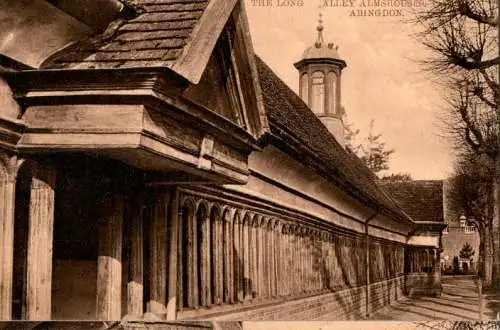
(109, 260)
(40, 241)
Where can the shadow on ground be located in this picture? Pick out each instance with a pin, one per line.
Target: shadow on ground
(459, 301)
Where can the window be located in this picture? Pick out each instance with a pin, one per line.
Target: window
(332, 97)
(304, 88)
(318, 92)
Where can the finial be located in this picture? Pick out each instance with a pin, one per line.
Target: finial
(319, 41)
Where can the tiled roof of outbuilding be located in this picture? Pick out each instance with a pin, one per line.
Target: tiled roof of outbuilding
(291, 120)
(421, 199)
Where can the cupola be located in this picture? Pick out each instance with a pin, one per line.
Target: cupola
(320, 70)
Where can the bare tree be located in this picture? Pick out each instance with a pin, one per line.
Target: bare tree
(471, 194)
(463, 38)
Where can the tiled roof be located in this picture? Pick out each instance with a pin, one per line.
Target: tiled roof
(292, 120)
(155, 38)
(421, 199)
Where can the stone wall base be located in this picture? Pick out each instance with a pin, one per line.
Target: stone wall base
(348, 304)
(423, 284)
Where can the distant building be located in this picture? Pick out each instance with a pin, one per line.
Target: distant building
(459, 231)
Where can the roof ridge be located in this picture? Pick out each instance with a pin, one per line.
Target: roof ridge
(288, 111)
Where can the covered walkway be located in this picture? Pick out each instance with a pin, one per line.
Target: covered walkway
(459, 301)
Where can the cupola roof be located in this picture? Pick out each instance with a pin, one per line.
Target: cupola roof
(320, 49)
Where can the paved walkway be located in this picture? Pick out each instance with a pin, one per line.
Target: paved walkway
(459, 301)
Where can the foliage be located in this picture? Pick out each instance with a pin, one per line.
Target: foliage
(351, 134)
(471, 188)
(372, 152)
(467, 252)
(397, 177)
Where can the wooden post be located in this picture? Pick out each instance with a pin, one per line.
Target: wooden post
(135, 285)
(265, 257)
(158, 257)
(271, 259)
(241, 265)
(173, 257)
(208, 259)
(109, 261)
(236, 259)
(301, 265)
(246, 258)
(276, 234)
(282, 261)
(260, 260)
(228, 256)
(219, 237)
(40, 242)
(255, 259)
(193, 271)
(204, 240)
(287, 256)
(7, 204)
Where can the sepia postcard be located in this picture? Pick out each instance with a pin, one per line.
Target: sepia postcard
(249, 164)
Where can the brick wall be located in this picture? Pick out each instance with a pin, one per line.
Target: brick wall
(348, 304)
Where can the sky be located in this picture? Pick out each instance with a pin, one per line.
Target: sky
(384, 79)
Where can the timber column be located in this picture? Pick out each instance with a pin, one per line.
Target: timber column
(7, 203)
(40, 242)
(109, 261)
(135, 285)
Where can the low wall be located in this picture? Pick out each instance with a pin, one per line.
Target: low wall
(384, 293)
(348, 304)
(423, 284)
